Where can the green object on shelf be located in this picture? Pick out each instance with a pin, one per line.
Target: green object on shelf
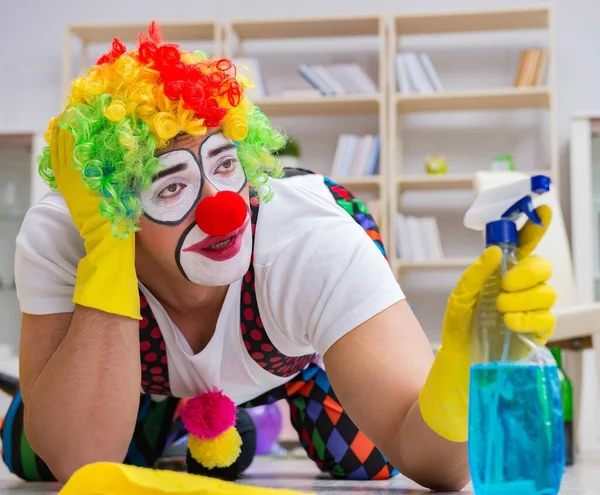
(436, 165)
(566, 389)
(503, 162)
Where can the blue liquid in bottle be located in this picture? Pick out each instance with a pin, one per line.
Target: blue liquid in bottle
(516, 432)
(516, 440)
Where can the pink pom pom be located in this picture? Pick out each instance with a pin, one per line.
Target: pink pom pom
(208, 415)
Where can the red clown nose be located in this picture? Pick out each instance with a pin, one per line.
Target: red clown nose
(221, 214)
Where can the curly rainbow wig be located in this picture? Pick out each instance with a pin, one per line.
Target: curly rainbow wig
(132, 103)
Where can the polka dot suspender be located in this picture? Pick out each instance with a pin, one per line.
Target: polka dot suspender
(153, 353)
(256, 340)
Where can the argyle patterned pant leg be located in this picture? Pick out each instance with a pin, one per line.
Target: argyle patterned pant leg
(328, 435)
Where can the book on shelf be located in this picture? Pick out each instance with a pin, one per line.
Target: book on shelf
(415, 73)
(338, 79)
(531, 71)
(417, 238)
(356, 156)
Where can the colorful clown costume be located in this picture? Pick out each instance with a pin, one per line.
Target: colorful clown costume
(245, 357)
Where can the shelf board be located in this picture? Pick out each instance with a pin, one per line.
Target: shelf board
(171, 31)
(499, 99)
(432, 182)
(372, 181)
(445, 263)
(305, 28)
(425, 182)
(476, 20)
(321, 105)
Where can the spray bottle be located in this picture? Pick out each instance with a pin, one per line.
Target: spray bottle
(516, 436)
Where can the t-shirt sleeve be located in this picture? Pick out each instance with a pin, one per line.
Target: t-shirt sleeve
(327, 281)
(48, 249)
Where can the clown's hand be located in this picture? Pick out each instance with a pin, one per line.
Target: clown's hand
(525, 301)
(106, 277)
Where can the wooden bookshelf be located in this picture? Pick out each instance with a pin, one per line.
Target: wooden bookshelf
(475, 20)
(434, 182)
(485, 99)
(441, 264)
(324, 27)
(239, 32)
(174, 31)
(322, 105)
(424, 182)
(499, 99)
(390, 107)
(369, 182)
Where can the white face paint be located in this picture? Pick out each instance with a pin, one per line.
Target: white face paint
(175, 193)
(176, 189)
(219, 266)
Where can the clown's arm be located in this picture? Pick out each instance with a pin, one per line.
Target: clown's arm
(80, 385)
(377, 371)
(80, 341)
(379, 362)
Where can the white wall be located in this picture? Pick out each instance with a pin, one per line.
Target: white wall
(31, 34)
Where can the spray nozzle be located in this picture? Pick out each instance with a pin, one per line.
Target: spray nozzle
(524, 205)
(507, 202)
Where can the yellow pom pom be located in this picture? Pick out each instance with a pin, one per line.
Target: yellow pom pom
(218, 452)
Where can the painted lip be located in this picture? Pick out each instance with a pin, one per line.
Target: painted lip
(222, 254)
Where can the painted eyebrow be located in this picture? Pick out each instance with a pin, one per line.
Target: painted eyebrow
(170, 170)
(220, 149)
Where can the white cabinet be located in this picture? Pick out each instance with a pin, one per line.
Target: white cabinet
(585, 205)
(585, 242)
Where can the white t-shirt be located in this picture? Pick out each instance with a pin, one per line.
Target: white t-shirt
(317, 277)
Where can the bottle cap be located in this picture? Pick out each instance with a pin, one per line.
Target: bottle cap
(540, 184)
(501, 232)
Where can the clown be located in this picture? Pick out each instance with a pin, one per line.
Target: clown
(175, 259)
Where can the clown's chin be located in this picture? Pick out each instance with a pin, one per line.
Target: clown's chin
(217, 265)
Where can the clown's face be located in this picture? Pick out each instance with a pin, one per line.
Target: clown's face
(196, 215)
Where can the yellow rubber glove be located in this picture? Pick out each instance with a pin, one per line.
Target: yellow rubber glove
(106, 478)
(525, 303)
(106, 277)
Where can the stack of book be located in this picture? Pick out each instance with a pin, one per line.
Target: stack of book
(417, 238)
(338, 79)
(356, 156)
(532, 68)
(415, 73)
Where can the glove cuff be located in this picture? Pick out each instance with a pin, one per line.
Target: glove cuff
(106, 276)
(444, 399)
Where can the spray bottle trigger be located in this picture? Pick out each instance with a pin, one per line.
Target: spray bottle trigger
(524, 205)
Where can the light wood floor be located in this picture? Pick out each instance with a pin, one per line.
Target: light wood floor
(299, 474)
